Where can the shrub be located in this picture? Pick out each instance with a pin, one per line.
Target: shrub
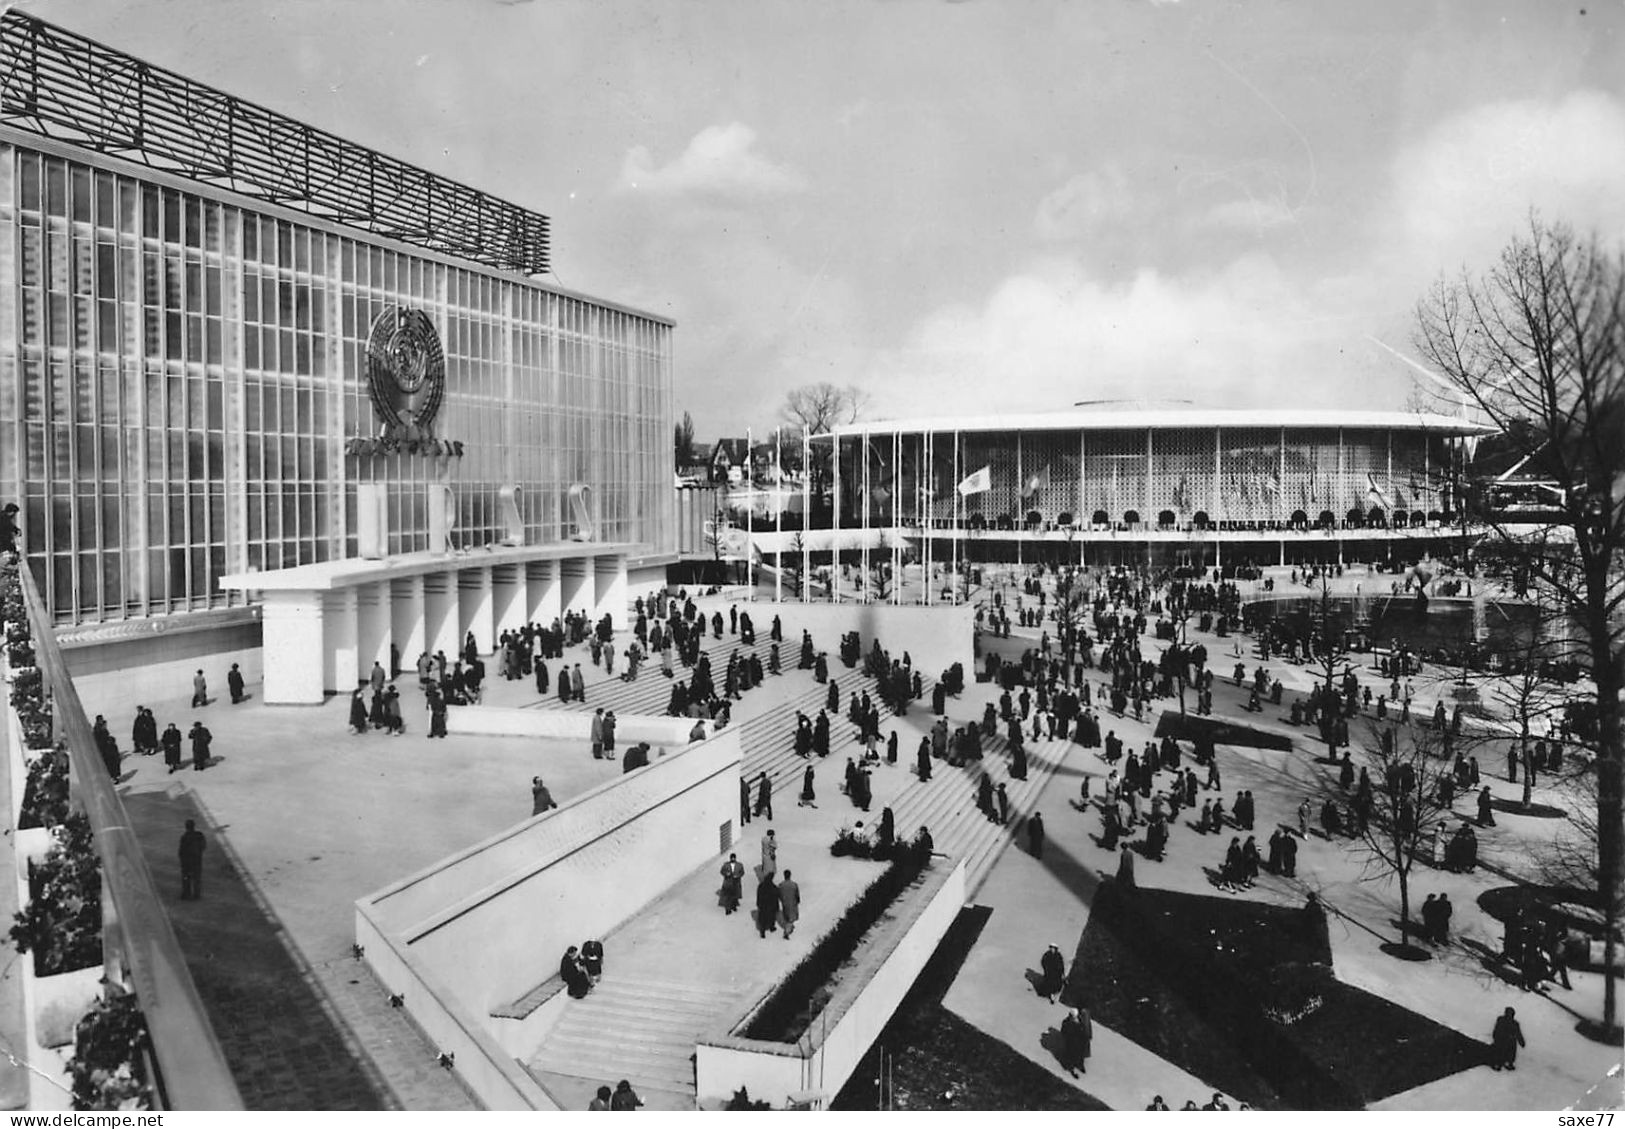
(851, 844)
(787, 1012)
(45, 796)
(742, 1101)
(62, 923)
(107, 1063)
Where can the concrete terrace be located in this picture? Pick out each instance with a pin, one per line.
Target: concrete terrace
(303, 818)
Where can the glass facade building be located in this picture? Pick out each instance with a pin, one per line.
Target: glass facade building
(182, 370)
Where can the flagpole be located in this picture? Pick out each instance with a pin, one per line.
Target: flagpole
(750, 522)
(778, 514)
(835, 520)
(804, 584)
(1021, 505)
(897, 541)
(927, 452)
(956, 517)
(863, 543)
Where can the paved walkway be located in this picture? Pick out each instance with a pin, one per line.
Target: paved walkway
(1036, 903)
(13, 1020)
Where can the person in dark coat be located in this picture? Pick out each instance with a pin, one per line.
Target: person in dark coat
(192, 846)
(984, 796)
(764, 797)
(171, 742)
(1052, 965)
(807, 795)
(1004, 804)
(1035, 834)
(744, 801)
(540, 798)
(201, 737)
(574, 974)
(1077, 1033)
(885, 833)
(1486, 813)
(733, 883)
(1505, 1041)
(767, 904)
(358, 712)
(923, 759)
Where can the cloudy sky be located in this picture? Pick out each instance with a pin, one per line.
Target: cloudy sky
(977, 206)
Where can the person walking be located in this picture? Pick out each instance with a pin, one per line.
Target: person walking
(234, 683)
(807, 796)
(1035, 834)
(1077, 1035)
(200, 690)
(764, 797)
(770, 855)
(1052, 967)
(171, 742)
(767, 904)
(789, 905)
(578, 684)
(1004, 804)
(744, 801)
(595, 733)
(192, 847)
(733, 883)
(1505, 1041)
(201, 737)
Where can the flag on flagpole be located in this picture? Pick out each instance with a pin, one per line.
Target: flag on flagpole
(1375, 491)
(1272, 484)
(1035, 483)
(978, 483)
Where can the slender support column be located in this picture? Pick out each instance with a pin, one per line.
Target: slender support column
(508, 597)
(374, 629)
(576, 586)
(609, 590)
(340, 665)
(440, 621)
(291, 627)
(407, 619)
(542, 590)
(475, 608)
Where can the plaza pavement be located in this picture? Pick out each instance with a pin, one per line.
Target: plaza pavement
(312, 818)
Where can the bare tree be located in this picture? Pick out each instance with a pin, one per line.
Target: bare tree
(1406, 804)
(820, 408)
(1537, 345)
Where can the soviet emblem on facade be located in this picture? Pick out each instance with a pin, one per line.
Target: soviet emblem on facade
(406, 379)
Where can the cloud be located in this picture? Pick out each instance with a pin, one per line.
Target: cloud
(721, 160)
(1055, 334)
(1252, 214)
(1084, 204)
(1464, 188)
(1257, 331)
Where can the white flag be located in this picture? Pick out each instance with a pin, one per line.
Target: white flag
(979, 483)
(1375, 491)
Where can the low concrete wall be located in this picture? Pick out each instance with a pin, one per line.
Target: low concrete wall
(488, 924)
(113, 677)
(450, 1027)
(935, 637)
(837, 1039)
(670, 733)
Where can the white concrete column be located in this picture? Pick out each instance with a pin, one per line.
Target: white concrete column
(543, 591)
(341, 665)
(475, 608)
(508, 597)
(610, 588)
(375, 629)
(407, 623)
(576, 585)
(441, 631)
(292, 631)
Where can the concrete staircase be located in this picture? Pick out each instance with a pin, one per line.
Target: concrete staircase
(642, 1030)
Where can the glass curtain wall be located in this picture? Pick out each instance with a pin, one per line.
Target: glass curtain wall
(179, 376)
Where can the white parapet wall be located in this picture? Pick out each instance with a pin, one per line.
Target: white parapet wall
(836, 1040)
(669, 733)
(485, 926)
(935, 637)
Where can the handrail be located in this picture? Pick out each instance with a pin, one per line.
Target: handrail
(138, 942)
